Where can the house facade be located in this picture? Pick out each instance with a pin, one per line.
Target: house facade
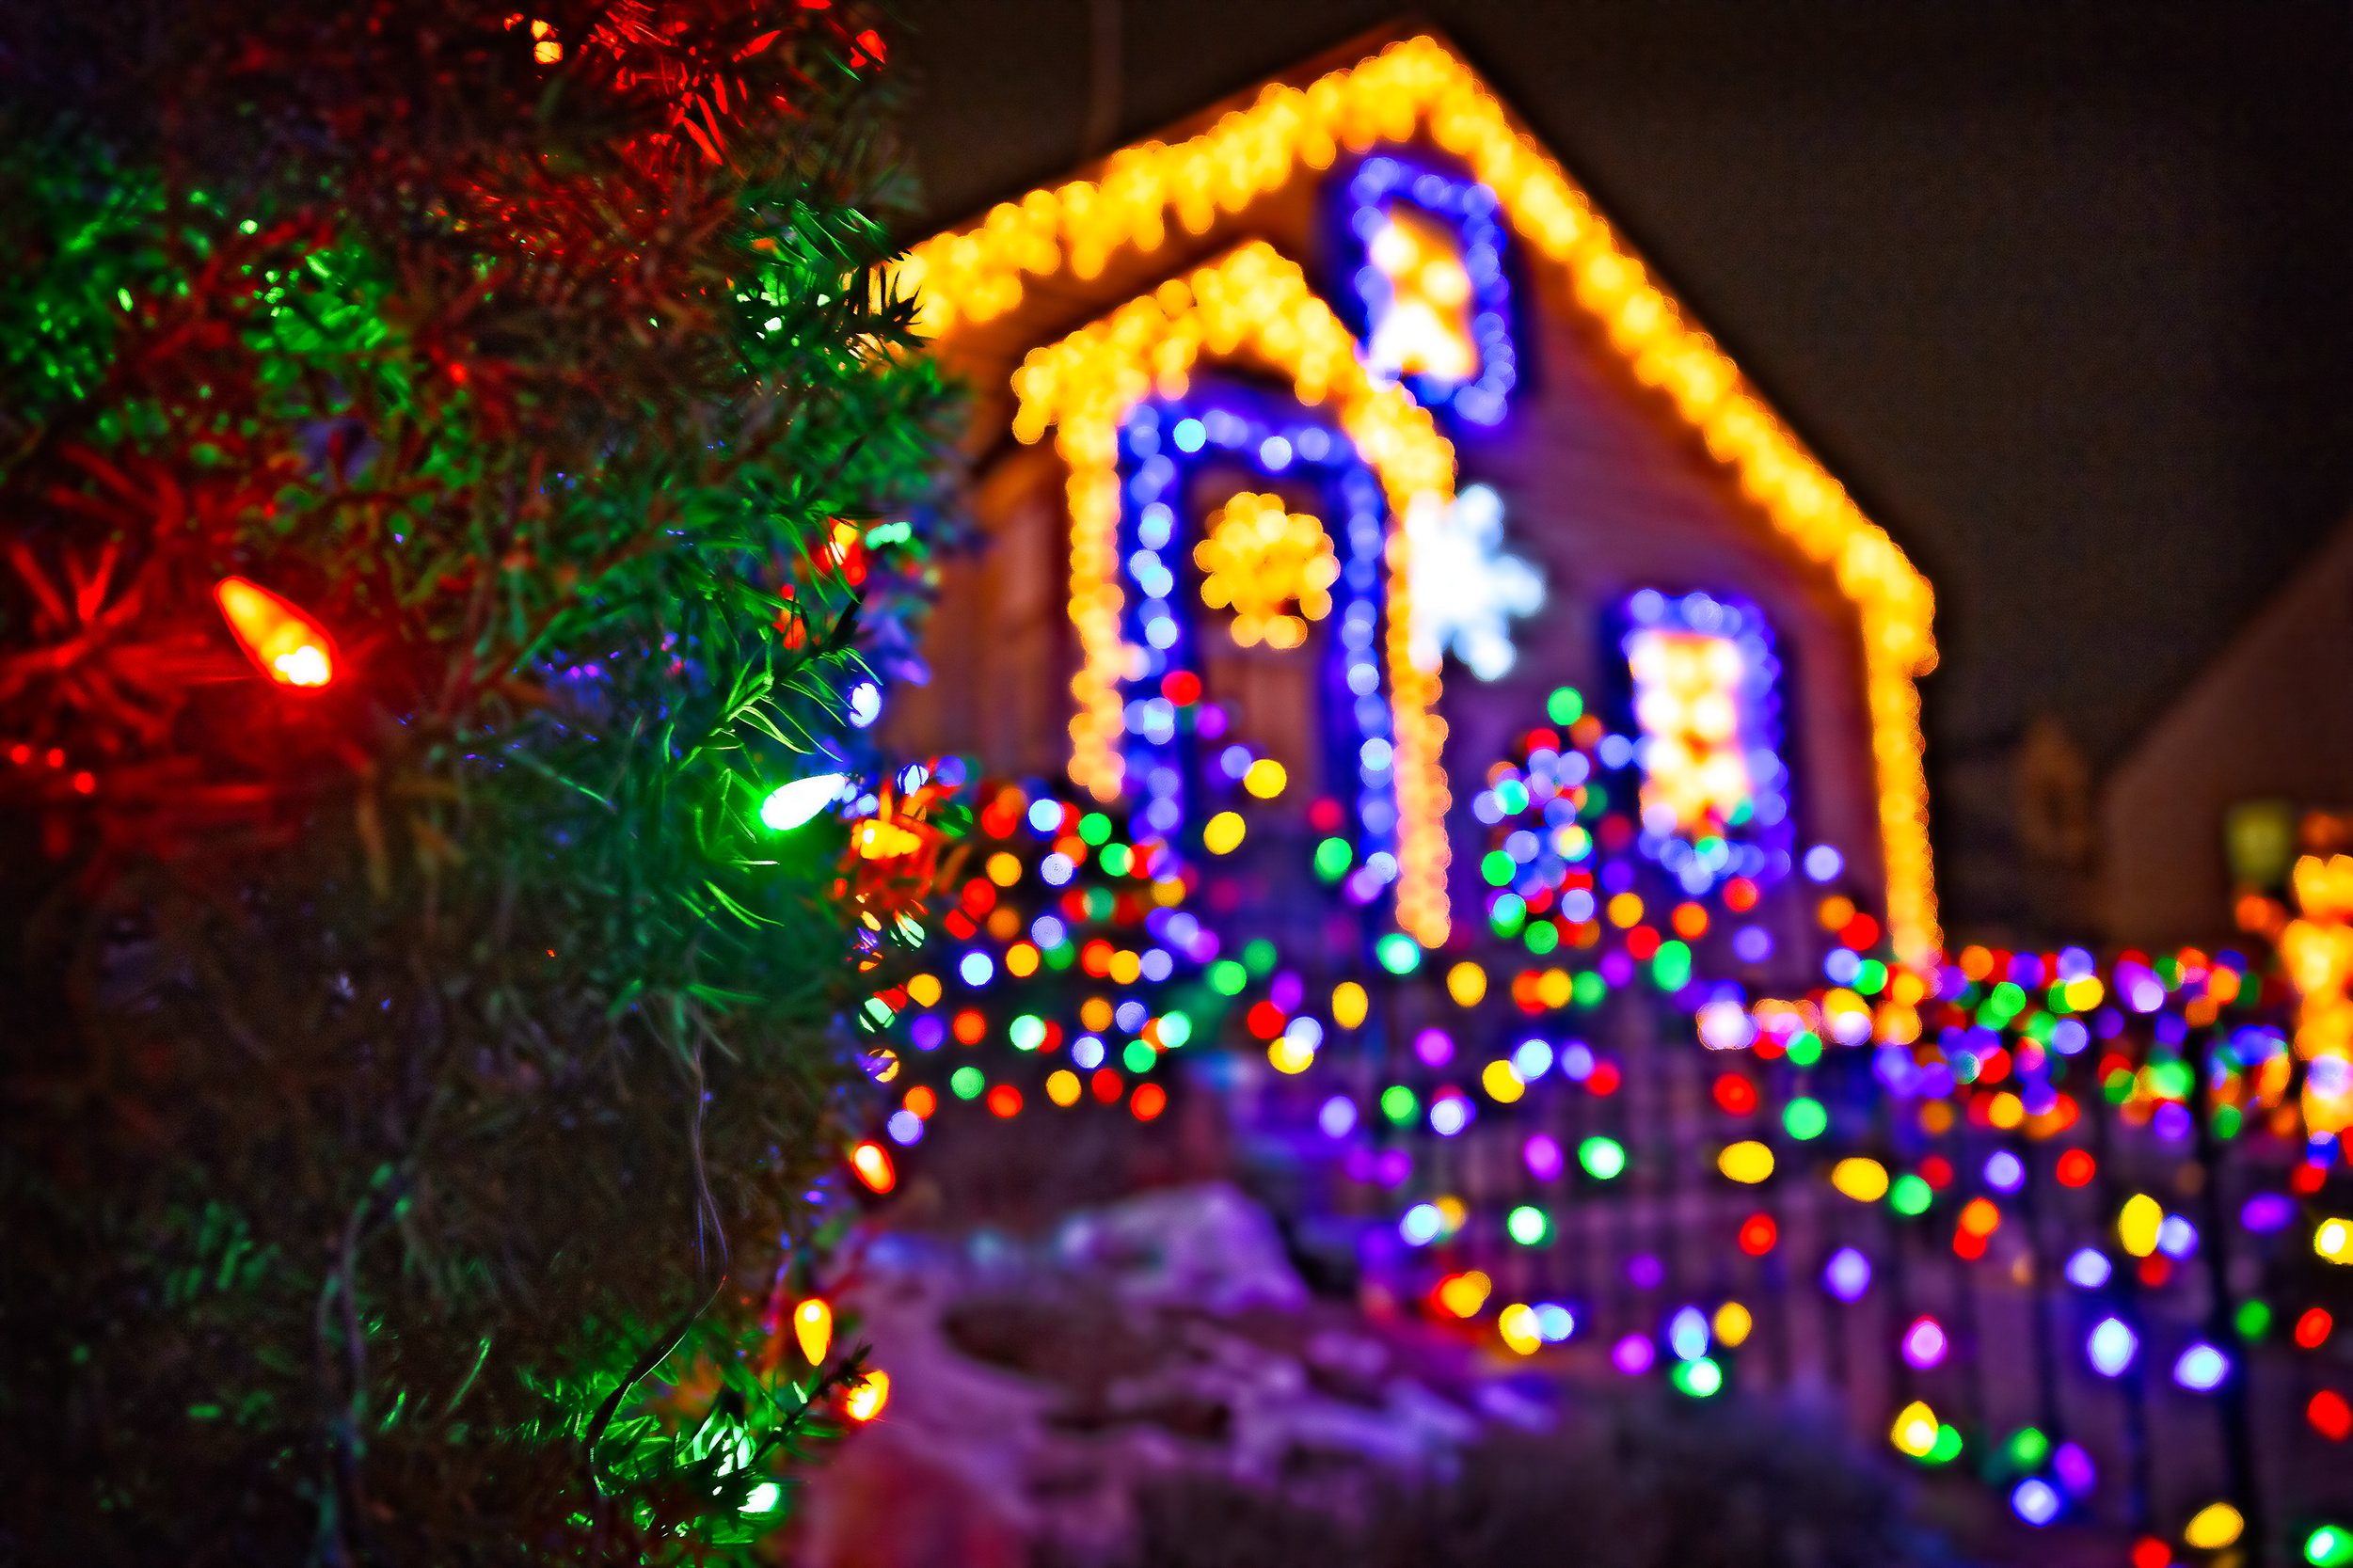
(1510, 439)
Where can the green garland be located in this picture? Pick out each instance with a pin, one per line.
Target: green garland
(409, 1081)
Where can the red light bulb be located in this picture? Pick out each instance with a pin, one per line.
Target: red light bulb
(284, 643)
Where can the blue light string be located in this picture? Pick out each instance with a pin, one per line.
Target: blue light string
(1162, 444)
(1757, 846)
(1469, 209)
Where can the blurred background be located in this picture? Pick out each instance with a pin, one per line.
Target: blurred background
(1727, 1172)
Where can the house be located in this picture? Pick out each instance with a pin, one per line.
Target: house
(1363, 298)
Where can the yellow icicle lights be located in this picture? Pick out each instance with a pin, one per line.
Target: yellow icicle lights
(1251, 303)
(1416, 85)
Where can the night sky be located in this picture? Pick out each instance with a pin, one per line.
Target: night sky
(2063, 293)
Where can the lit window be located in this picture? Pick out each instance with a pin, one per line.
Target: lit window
(1424, 325)
(1437, 306)
(1702, 674)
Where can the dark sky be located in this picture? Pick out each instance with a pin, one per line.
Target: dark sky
(2064, 292)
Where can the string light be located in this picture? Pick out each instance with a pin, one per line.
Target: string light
(1732, 1323)
(2317, 949)
(1748, 1162)
(2329, 1546)
(2213, 1527)
(789, 805)
(975, 276)
(283, 642)
(1860, 1177)
(1521, 1328)
(1915, 1430)
(813, 1327)
(873, 1164)
(2137, 1224)
(1998, 1024)
(867, 1397)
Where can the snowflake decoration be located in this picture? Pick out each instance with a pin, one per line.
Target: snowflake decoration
(1463, 586)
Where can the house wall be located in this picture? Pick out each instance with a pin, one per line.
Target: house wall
(2271, 719)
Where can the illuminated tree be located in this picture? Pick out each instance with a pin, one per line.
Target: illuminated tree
(456, 465)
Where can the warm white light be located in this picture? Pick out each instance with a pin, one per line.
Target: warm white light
(1464, 589)
(1426, 327)
(792, 804)
(305, 666)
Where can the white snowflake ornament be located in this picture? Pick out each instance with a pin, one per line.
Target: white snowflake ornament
(1463, 586)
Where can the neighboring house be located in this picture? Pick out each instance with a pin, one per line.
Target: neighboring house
(2262, 734)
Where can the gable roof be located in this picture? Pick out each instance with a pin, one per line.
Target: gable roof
(994, 289)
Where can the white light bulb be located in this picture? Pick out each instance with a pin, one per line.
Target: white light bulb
(794, 803)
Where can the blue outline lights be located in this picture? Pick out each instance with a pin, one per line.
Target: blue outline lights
(1726, 814)
(1466, 211)
(1163, 445)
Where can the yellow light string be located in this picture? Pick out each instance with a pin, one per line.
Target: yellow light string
(1251, 303)
(976, 275)
(1255, 559)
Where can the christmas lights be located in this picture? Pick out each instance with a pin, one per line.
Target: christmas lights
(1703, 677)
(283, 642)
(1165, 445)
(1436, 304)
(1887, 1074)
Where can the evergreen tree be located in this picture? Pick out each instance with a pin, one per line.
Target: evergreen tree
(418, 1048)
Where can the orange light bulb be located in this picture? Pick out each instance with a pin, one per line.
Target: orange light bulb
(873, 1164)
(283, 642)
(813, 1326)
(867, 1397)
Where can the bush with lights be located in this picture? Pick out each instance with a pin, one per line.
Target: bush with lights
(457, 466)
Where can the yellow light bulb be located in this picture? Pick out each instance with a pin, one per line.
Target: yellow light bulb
(1916, 1429)
(1732, 1324)
(2137, 1226)
(1290, 1056)
(1520, 1329)
(2213, 1527)
(813, 1326)
(867, 1397)
(1463, 1294)
(1265, 778)
(1862, 1180)
(1502, 1083)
